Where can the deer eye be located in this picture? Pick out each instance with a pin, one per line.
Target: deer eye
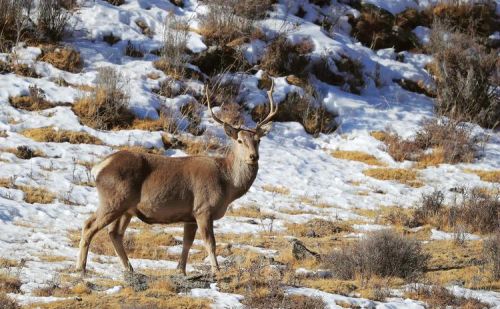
(240, 141)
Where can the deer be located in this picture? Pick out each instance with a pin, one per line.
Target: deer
(193, 190)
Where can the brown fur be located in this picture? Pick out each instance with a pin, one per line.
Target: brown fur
(195, 190)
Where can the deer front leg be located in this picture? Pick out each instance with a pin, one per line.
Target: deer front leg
(187, 242)
(206, 226)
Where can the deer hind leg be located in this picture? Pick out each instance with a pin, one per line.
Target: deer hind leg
(187, 242)
(206, 226)
(116, 231)
(94, 224)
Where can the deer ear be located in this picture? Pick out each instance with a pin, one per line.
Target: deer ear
(230, 131)
(265, 129)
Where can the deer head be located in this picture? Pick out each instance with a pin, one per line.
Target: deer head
(246, 141)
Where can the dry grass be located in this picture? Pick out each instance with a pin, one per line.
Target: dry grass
(165, 122)
(144, 244)
(441, 297)
(284, 58)
(106, 107)
(276, 189)
(249, 211)
(50, 134)
(5, 262)
(9, 283)
(405, 176)
(489, 176)
(62, 57)
(36, 195)
(34, 101)
(53, 258)
(357, 156)
(318, 228)
(7, 303)
(201, 145)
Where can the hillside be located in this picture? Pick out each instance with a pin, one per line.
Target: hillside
(368, 164)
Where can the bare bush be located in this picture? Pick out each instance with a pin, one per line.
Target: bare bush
(467, 76)
(15, 23)
(228, 20)
(106, 107)
(52, 19)
(451, 142)
(173, 53)
(491, 249)
(284, 58)
(305, 108)
(390, 255)
(441, 297)
(6, 302)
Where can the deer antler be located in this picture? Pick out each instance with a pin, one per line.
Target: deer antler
(213, 114)
(273, 108)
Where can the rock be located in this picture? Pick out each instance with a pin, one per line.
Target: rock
(184, 284)
(300, 252)
(138, 282)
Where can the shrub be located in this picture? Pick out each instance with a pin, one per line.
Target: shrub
(34, 101)
(7, 303)
(62, 57)
(116, 2)
(173, 53)
(165, 122)
(106, 107)
(491, 249)
(133, 51)
(52, 19)
(284, 58)
(305, 109)
(15, 23)
(450, 141)
(220, 59)
(51, 135)
(222, 25)
(9, 283)
(390, 255)
(36, 195)
(466, 76)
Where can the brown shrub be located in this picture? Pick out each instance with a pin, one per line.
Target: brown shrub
(284, 58)
(116, 2)
(491, 250)
(49, 134)
(305, 109)
(376, 28)
(201, 145)
(490, 176)
(145, 29)
(391, 255)
(475, 18)
(14, 23)
(9, 283)
(36, 195)
(466, 76)
(133, 51)
(106, 107)
(356, 156)
(34, 101)
(451, 142)
(52, 20)
(7, 303)
(111, 39)
(170, 88)
(62, 57)
(192, 112)
(319, 228)
(220, 59)
(24, 70)
(222, 25)
(26, 153)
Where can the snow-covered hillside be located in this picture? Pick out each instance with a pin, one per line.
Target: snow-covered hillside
(299, 180)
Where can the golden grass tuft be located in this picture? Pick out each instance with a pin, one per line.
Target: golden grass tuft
(6, 262)
(276, 189)
(405, 176)
(163, 123)
(488, 176)
(49, 134)
(250, 211)
(62, 57)
(357, 156)
(9, 283)
(144, 244)
(36, 195)
(34, 101)
(379, 135)
(318, 228)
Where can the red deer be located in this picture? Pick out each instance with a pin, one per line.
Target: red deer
(195, 190)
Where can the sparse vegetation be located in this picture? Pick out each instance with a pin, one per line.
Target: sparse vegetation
(450, 142)
(356, 156)
(50, 134)
(9, 283)
(391, 255)
(441, 297)
(62, 57)
(36, 195)
(489, 176)
(466, 76)
(106, 107)
(319, 228)
(406, 176)
(284, 58)
(491, 251)
(6, 302)
(34, 101)
(52, 19)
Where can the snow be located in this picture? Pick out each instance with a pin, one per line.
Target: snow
(440, 235)
(289, 157)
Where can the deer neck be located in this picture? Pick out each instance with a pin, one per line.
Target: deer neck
(240, 174)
